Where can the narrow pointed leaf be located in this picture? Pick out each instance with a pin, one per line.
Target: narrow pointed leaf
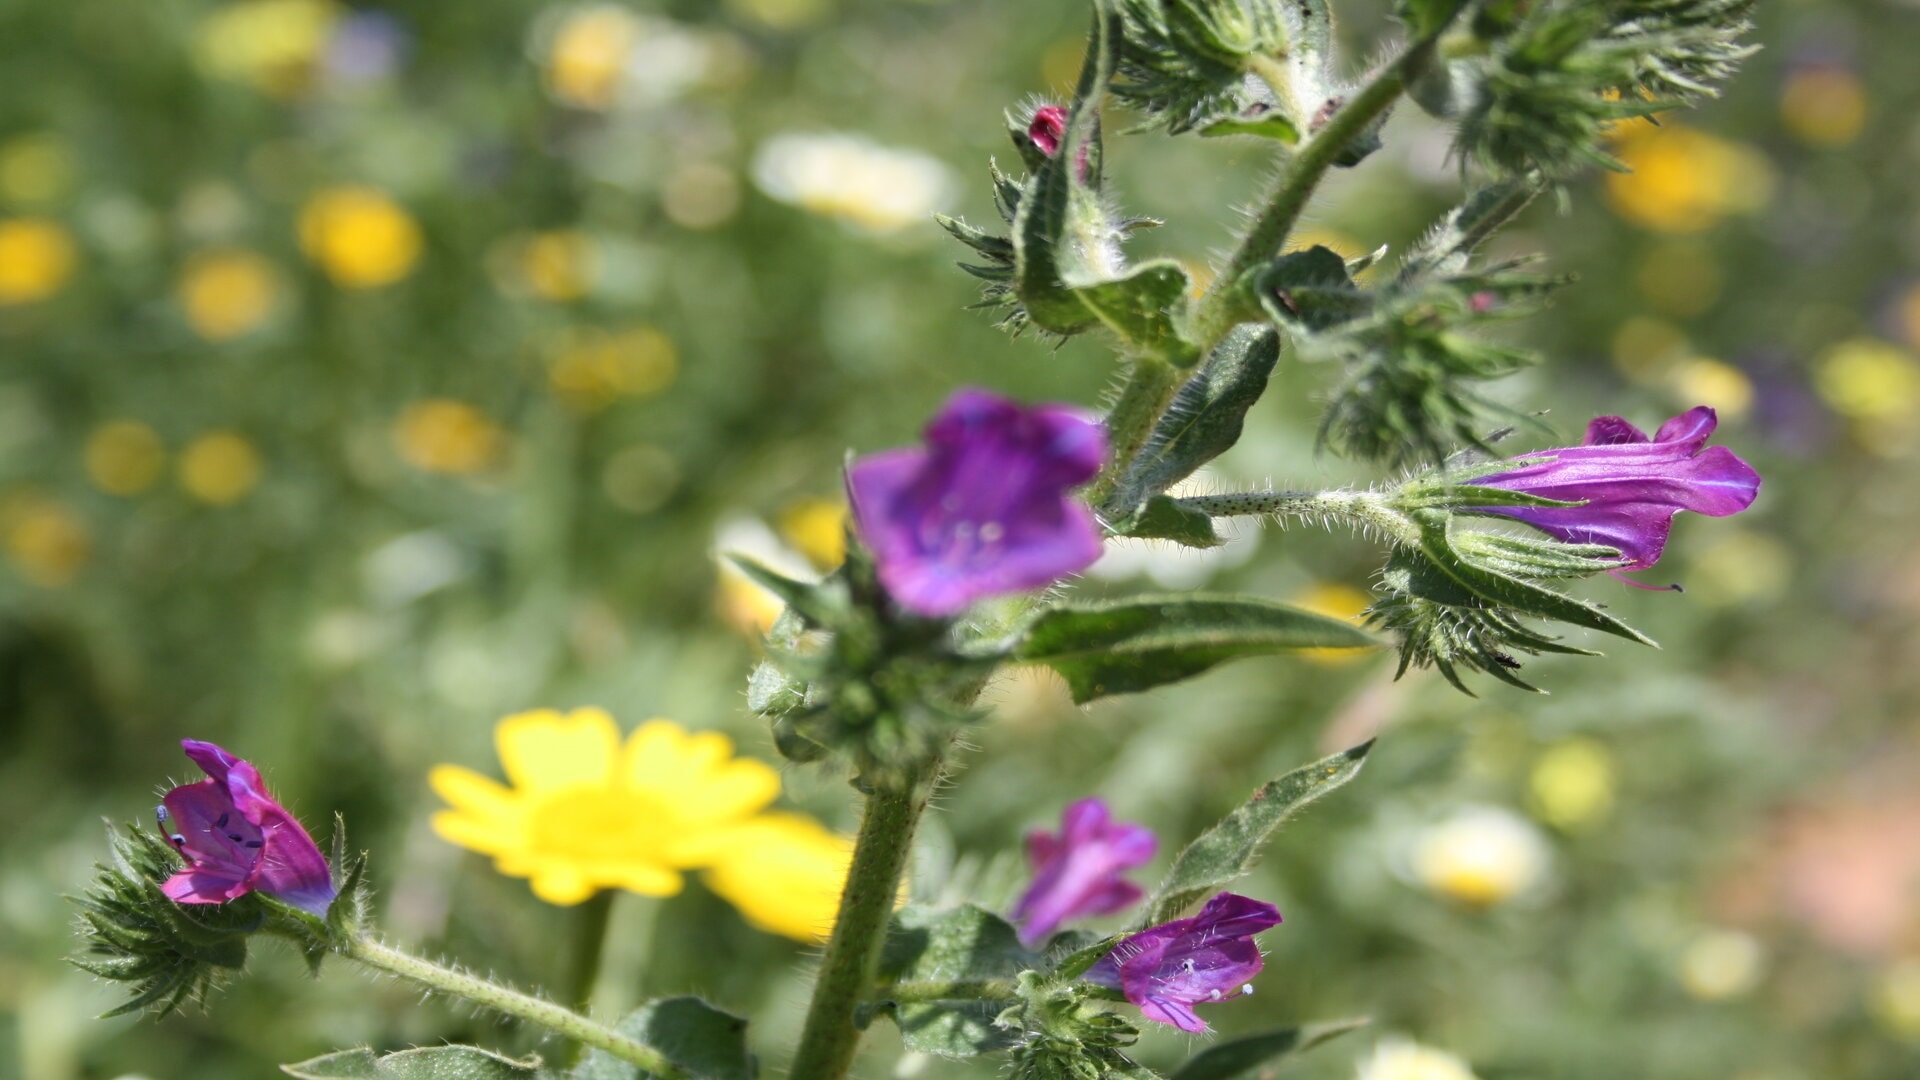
(1227, 1060)
(1205, 419)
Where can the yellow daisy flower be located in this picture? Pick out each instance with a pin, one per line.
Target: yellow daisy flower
(585, 812)
(784, 873)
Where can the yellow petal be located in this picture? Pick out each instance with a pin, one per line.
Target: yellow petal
(784, 873)
(467, 790)
(486, 837)
(544, 750)
(646, 880)
(562, 885)
(697, 774)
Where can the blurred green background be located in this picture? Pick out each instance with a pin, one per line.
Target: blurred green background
(370, 372)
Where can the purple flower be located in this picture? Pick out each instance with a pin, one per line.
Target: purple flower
(982, 509)
(1048, 127)
(1630, 486)
(236, 839)
(1168, 969)
(1076, 874)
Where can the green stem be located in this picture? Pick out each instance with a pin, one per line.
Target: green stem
(512, 1002)
(909, 993)
(1219, 310)
(589, 941)
(1151, 385)
(828, 1040)
(1365, 509)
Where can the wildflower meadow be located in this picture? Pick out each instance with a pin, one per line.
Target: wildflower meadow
(916, 539)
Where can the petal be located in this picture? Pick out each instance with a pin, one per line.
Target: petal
(784, 873)
(562, 885)
(1166, 1011)
(1042, 848)
(544, 750)
(1114, 896)
(197, 885)
(1084, 821)
(212, 759)
(1612, 431)
(876, 486)
(1233, 915)
(696, 775)
(213, 834)
(1693, 426)
(485, 837)
(480, 796)
(1131, 845)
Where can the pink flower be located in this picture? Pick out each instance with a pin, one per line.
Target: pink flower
(1168, 969)
(1076, 874)
(237, 839)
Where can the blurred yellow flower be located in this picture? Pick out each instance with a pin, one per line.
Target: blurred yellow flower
(784, 873)
(1739, 567)
(1404, 1059)
(780, 14)
(745, 604)
(1896, 1000)
(1683, 180)
(700, 195)
(1824, 106)
(36, 258)
(1341, 602)
(1869, 379)
(271, 44)
(1481, 856)
(817, 529)
(589, 55)
(592, 369)
(557, 265)
(35, 168)
(220, 467)
(581, 811)
(1573, 784)
(227, 292)
(1703, 381)
(361, 238)
(445, 436)
(1721, 964)
(47, 542)
(124, 457)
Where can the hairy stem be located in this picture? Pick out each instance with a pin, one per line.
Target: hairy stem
(1218, 311)
(907, 993)
(512, 1002)
(1360, 508)
(828, 1040)
(1150, 388)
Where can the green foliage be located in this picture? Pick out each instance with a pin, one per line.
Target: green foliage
(1163, 518)
(960, 948)
(1067, 1036)
(422, 1063)
(1125, 646)
(707, 1043)
(1265, 1051)
(1224, 853)
(1227, 67)
(1204, 420)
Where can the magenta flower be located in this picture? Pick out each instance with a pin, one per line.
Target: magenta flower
(236, 839)
(1168, 969)
(1630, 486)
(1076, 875)
(1048, 127)
(983, 508)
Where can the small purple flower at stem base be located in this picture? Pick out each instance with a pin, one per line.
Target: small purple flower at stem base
(237, 839)
(1076, 874)
(1630, 486)
(983, 508)
(1168, 969)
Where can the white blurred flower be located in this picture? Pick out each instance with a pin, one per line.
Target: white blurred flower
(1480, 856)
(409, 567)
(1721, 964)
(600, 57)
(849, 178)
(1404, 1059)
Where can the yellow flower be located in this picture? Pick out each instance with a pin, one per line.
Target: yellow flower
(35, 168)
(589, 55)
(1573, 784)
(227, 293)
(272, 44)
(124, 457)
(36, 258)
(1341, 602)
(1404, 1059)
(1896, 1000)
(1480, 857)
(1721, 964)
(556, 265)
(585, 812)
(784, 873)
(359, 236)
(817, 529)
(1704, 381)
(445, 436)
(1869, 379)
(1824, 106)
(45, 540)
(219, 467)
(593, 369)
(1684, 181)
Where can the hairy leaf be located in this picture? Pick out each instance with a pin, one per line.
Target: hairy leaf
(1224, 1061)
(422, 1063)
(708, 1043)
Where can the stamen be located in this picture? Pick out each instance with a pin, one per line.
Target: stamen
(177, 840)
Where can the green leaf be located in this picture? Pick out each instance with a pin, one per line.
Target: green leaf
(1258, 119)
(423, 1063)
(708, 1043)
(1145, 308)
(1204, 420)
(1163, 518)
(1310, 291)
(820, 604)
(952, 945)
(1228, 850)
(1123, 646)
(1227, 1060)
